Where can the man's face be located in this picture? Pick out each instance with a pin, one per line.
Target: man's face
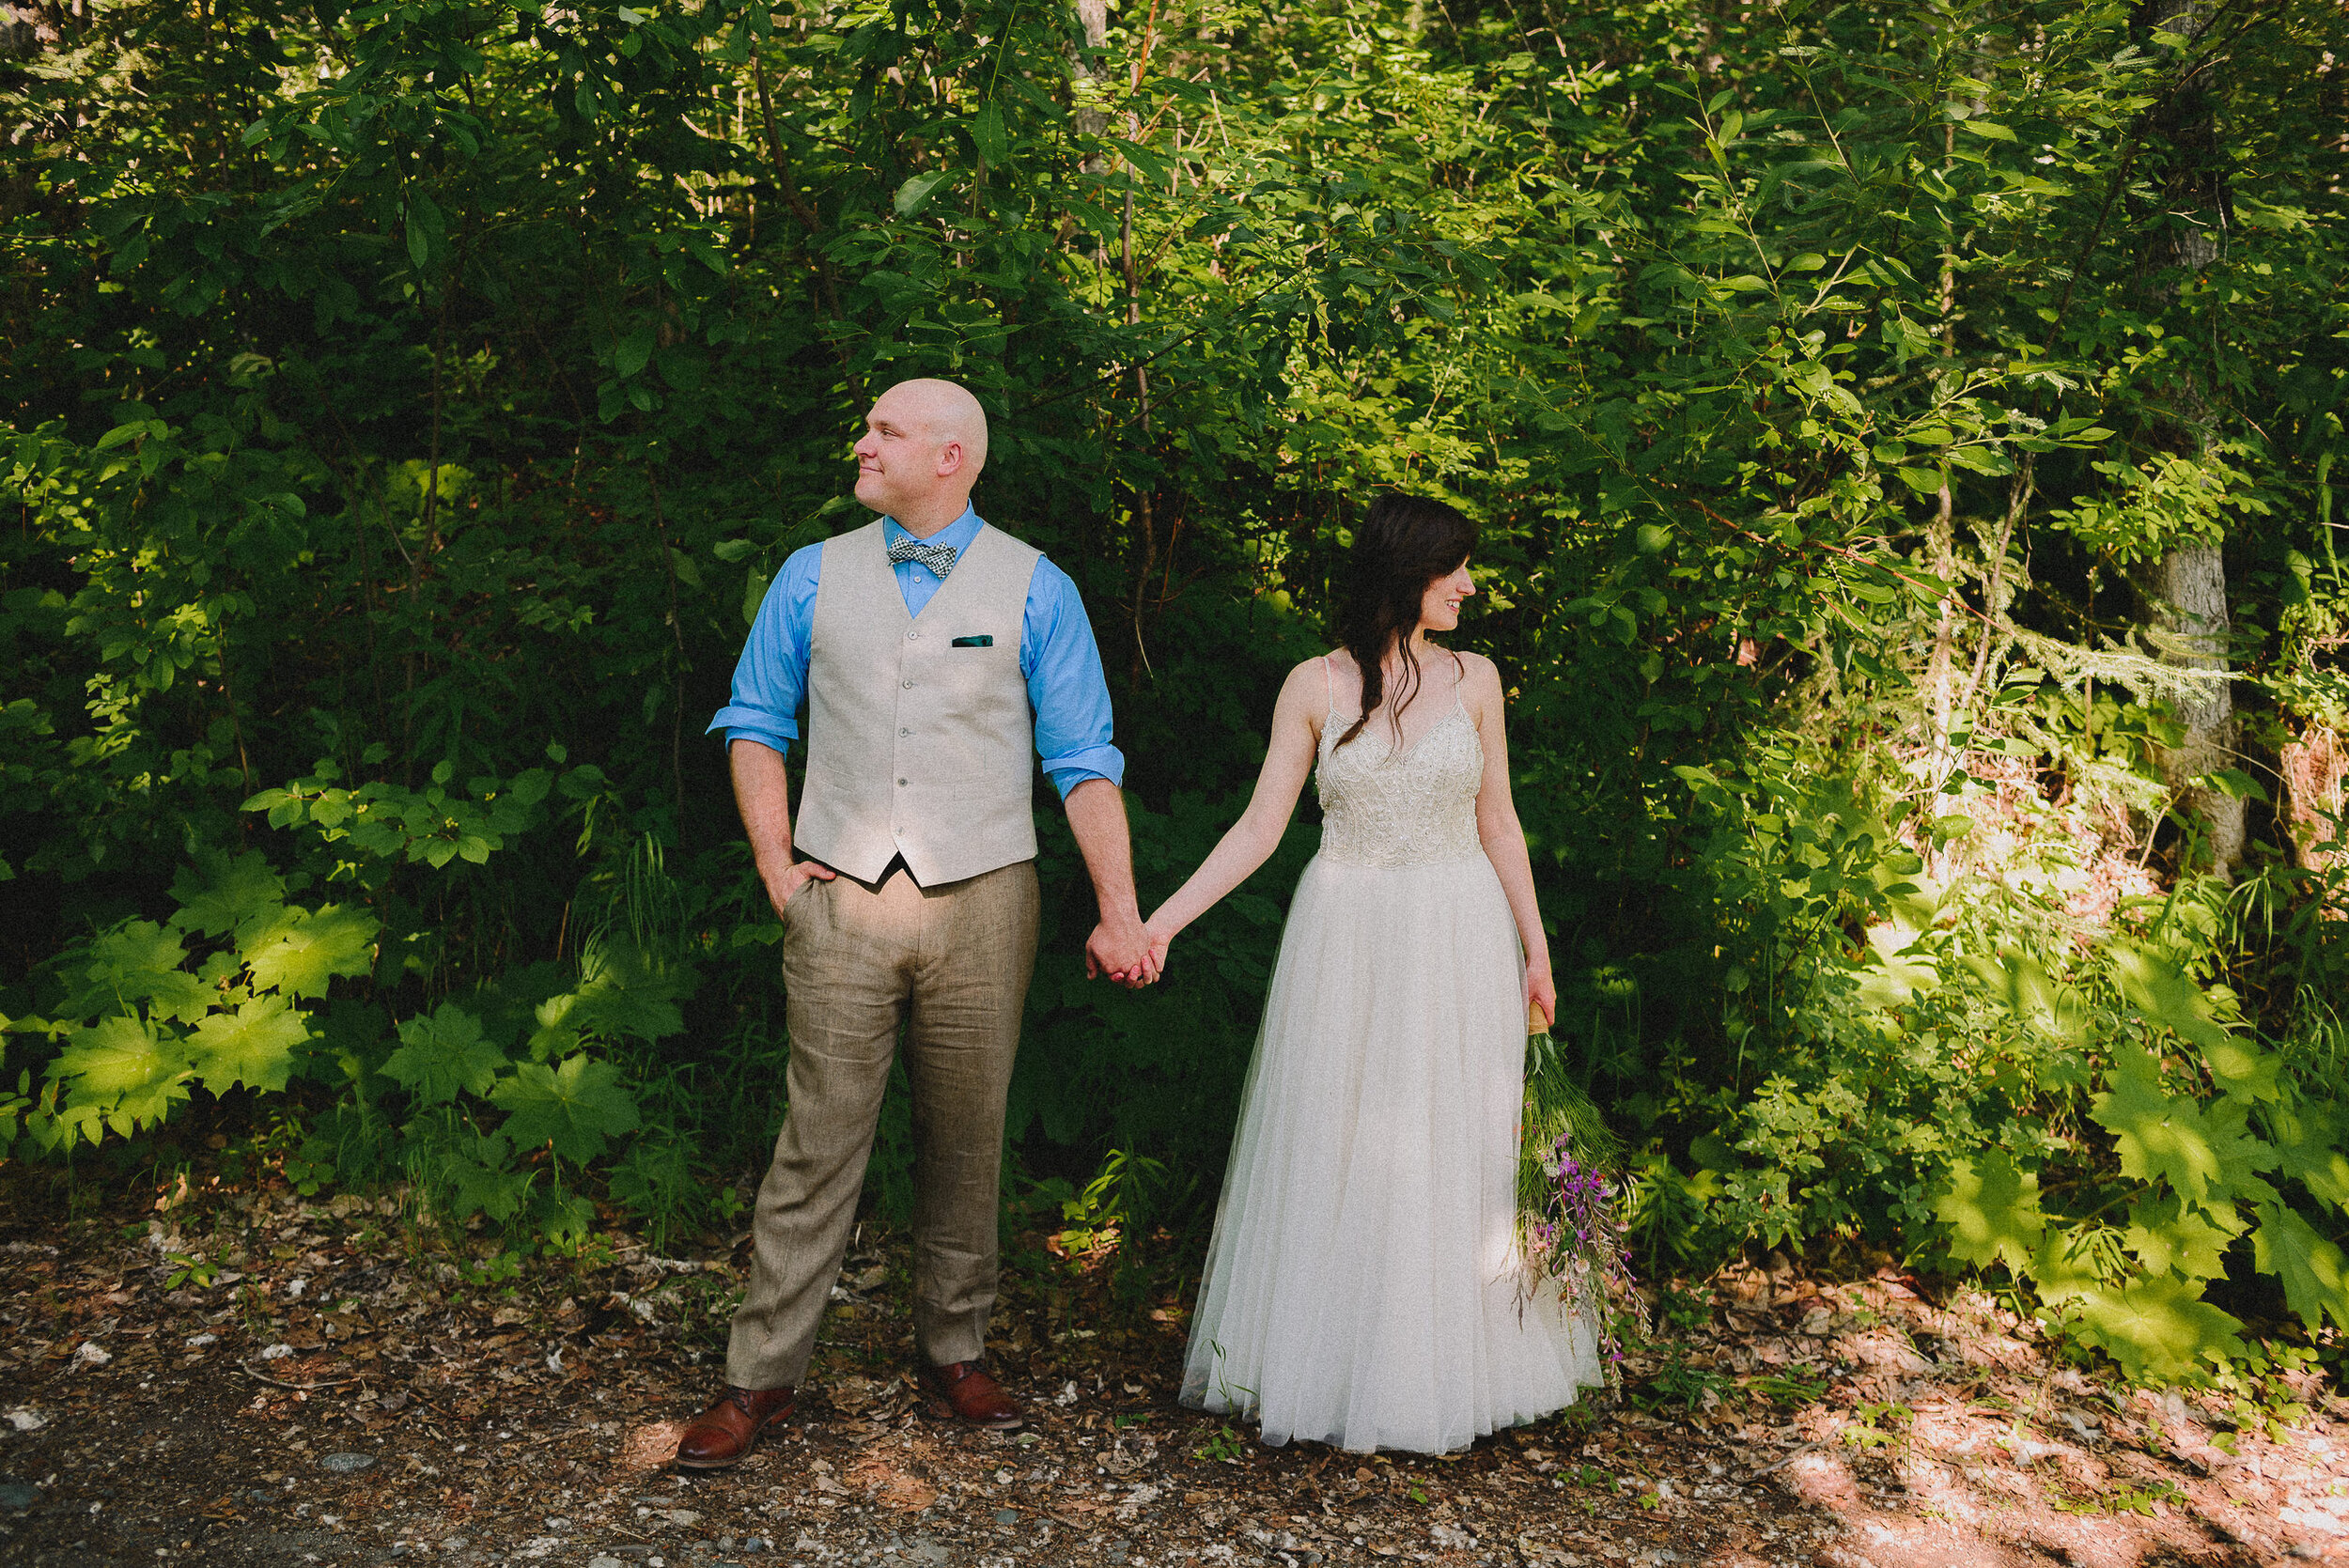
(897, 458)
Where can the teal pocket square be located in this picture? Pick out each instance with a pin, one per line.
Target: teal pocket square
(982, 642)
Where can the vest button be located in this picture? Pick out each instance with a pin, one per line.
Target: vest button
(901, 783)
(913, 636)
(908, 685)
(905, 731)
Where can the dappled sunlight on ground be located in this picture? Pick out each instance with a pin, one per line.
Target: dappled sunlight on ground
(527, 1416)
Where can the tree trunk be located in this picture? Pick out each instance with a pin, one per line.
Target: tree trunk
(2190, 581)
(2192, 586)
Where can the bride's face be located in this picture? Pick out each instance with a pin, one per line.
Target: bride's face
(1440, 606)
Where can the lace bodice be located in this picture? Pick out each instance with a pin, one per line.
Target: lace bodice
(1417, 806)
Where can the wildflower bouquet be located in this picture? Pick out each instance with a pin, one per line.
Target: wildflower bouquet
(1569, 1223)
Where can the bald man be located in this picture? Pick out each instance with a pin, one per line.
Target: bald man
(937, 658)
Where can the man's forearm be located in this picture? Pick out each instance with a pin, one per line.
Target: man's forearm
(1097, 815)
(762, 792)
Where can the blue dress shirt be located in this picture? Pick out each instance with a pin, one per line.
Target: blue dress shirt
(1068, 692)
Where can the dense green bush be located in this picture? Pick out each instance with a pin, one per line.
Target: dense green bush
(408, 406)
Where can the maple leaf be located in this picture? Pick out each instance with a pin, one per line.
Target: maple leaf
(299, 951)
(2159, 1136)
(253, 1046)
(139, 961)
(126, 1070)
(2167, 1235)
(1991, 1211)
(2159, 1328)
(573, 1107)
(2163, 992)
(442, 1054)
(218, 895)
(2314, 1274)
(2308, 1149)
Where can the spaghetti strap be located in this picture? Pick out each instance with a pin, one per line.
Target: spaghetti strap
(1328, 693)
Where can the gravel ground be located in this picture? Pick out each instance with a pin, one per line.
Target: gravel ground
(324, 1389)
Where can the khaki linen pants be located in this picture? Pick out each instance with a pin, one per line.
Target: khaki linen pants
(953, 964)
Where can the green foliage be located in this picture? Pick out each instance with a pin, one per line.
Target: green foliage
(407, 407)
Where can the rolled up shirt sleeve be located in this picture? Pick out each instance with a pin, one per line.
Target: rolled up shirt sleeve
(771, 677)
(1067, 688)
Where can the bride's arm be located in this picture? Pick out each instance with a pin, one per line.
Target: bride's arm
(1289, 758)
(1503, 838)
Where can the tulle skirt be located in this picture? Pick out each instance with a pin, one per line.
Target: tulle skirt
(1365, 1287)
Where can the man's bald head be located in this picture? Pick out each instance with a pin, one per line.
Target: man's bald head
(925, 444)
(948, 411)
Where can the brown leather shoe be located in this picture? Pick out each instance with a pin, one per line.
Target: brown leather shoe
(963, 1389)
(721, 1435)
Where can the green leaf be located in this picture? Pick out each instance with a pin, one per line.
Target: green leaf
(2314, 1275)
(299, 952)
(2063, 1270)
(2308, 1149)
(574, 1107)
(219, 893)
(2160, 1137)
(481, 1173)
(1988, 130)
(1991, 1211)
(2162, 992)
(253, 1045)
(440, 1055)
(634, 352)
(988, 134)
(139, 961)
(2024, 988)
(2159, 1329)
(2167, 1236)
(914, 193)
(699, 247)
(125, 1070)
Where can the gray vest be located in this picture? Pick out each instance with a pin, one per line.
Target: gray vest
(917, 746)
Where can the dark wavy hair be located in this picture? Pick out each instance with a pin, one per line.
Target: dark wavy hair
(1405, 543)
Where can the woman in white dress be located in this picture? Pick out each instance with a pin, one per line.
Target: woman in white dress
(1365, 1287)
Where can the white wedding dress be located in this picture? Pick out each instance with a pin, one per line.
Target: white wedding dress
(1365, 1286)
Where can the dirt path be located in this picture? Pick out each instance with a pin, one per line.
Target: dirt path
(327, 1399)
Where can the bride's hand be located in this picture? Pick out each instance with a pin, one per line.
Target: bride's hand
(1161, 939)
(1541, 994)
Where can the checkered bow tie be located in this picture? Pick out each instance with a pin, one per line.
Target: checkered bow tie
(938, 558)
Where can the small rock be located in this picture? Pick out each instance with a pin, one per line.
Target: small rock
(263, 1494)
(454, 1544)
(1006, 1515)
(91, 1354)
(26, 1419)
(349, 1464)
(683, 1516)
(556, 1521)
(197, 1341)
(753, 1545)
(631, 1551)
(277, 1352)
(16, 1497)
(603, 1563)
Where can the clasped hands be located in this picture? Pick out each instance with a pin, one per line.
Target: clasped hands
(1126, 951)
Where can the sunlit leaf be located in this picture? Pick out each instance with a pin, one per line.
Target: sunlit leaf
(300, 950)
(2311, 1270)
(253, 1045)
(1991, 1211)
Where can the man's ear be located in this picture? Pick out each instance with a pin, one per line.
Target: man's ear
(950, 459)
